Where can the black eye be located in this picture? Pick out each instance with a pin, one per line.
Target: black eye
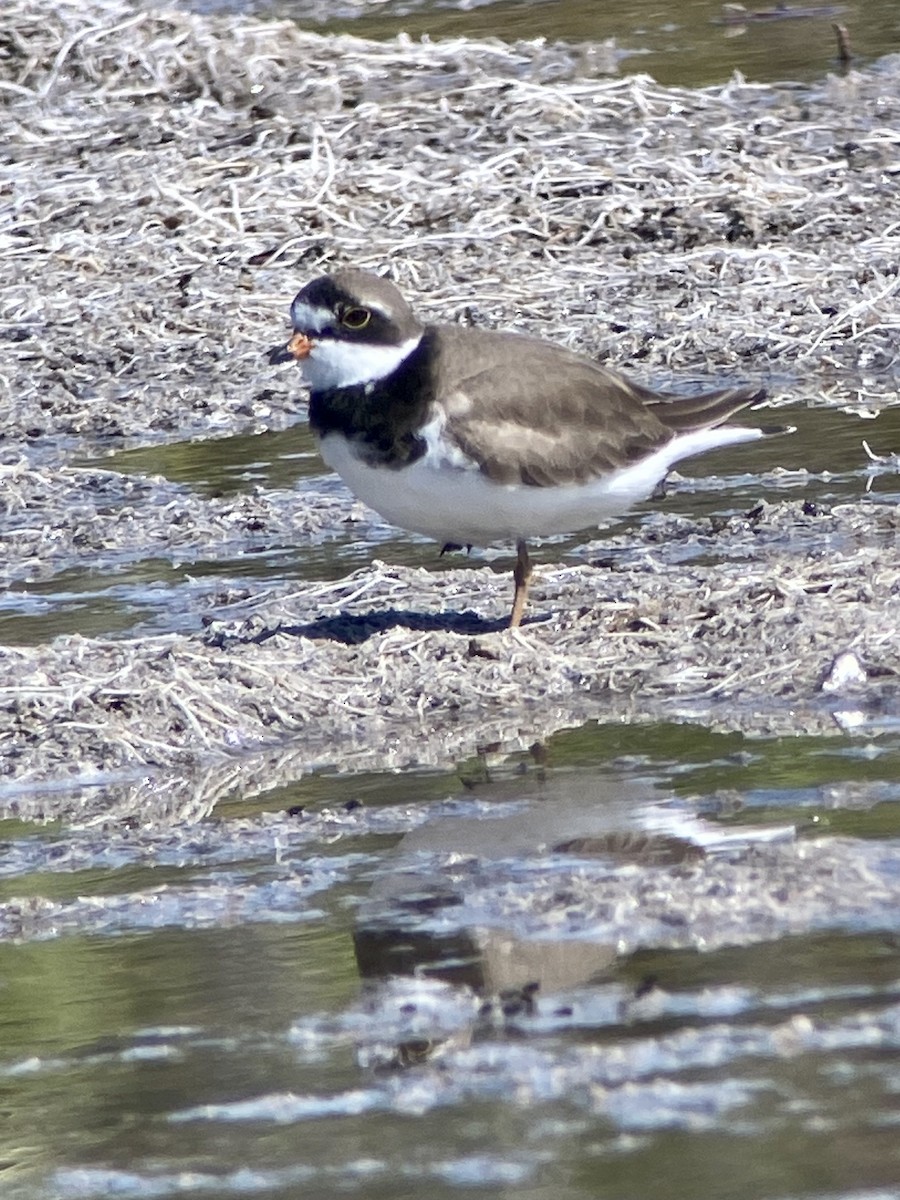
(356, 318)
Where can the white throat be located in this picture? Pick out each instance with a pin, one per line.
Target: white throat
(334, 363)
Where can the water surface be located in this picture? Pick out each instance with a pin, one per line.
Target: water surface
(690, 42)
(282, 1005)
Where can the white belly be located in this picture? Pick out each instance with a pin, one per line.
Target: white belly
(450, 502)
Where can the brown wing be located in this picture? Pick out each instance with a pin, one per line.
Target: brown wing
(588, 420)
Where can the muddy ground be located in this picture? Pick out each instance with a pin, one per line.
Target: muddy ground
(170, 180)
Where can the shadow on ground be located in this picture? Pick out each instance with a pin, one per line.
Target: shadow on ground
(352, 629)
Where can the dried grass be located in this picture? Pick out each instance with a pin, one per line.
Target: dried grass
(74, 518)
(171, 179)
(385, 666)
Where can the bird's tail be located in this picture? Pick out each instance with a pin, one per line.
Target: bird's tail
(689, 414)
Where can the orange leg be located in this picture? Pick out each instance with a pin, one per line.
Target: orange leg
(522, 577)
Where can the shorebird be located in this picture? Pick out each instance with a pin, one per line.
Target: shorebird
(472, 436)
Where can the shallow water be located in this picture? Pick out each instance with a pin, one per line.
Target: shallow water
(186, 1015)
(691, 42)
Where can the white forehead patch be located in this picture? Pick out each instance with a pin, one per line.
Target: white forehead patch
(309, 318)
(336, 363)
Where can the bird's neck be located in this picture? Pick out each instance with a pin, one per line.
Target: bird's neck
(381, 417)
